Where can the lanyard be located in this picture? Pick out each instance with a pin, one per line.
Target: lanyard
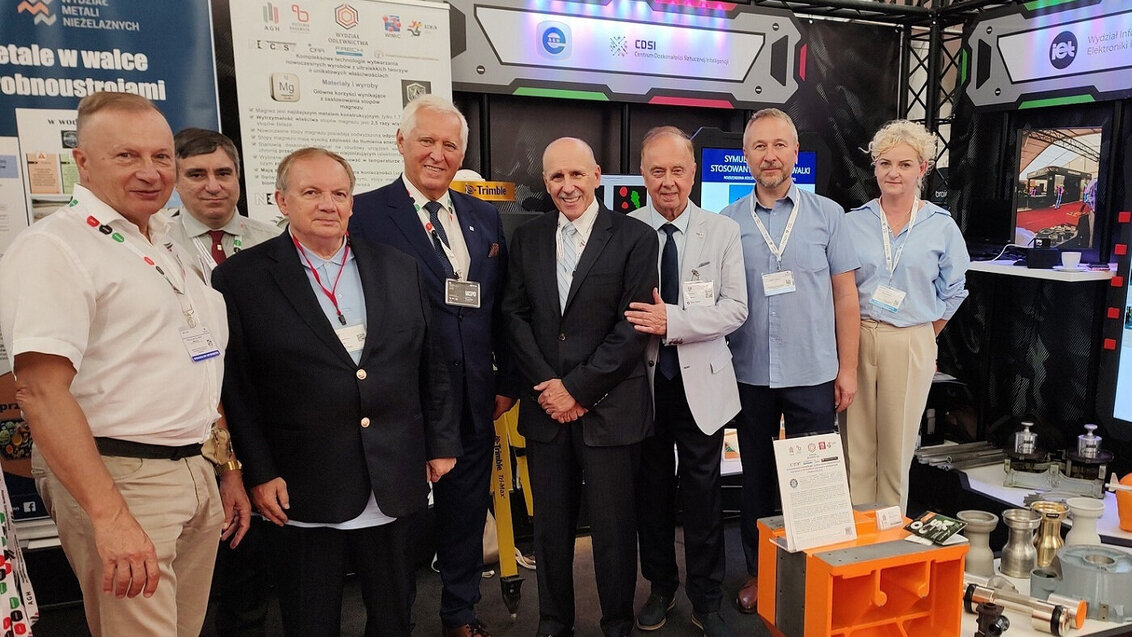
(448, 252)
(891, 261)
(332, 292)
(178, 289)
(776, 250)
(435, 237)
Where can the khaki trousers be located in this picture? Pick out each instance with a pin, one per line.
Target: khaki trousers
(177, 503)
(894, 375)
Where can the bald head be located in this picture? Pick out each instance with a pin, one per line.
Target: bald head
(571, 175)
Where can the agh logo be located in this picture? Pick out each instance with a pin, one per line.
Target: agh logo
(554, 40)
(1063, 50)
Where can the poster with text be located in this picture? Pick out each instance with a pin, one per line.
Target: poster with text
(55, 52)
(332, 74)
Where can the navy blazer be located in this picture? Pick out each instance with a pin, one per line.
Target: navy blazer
(590, 344)
(300, 409)
(472, 337)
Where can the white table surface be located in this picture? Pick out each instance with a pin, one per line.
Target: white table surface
(988, 481)
(1069, 276)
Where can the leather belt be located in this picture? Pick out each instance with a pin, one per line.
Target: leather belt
(130, 449)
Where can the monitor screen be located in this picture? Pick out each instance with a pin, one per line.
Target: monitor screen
(1055, 192)
(1122, 397)
(622, 193)
(725, 178)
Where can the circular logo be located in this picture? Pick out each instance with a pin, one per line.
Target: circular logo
(554, 40)
(1063, 50)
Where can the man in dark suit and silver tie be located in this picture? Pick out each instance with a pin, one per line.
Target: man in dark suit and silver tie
(702, 298)
(458, 242)
(585, 399)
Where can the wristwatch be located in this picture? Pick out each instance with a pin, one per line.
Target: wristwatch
(231, 465)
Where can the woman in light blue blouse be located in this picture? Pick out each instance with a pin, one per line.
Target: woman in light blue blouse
(911, 281)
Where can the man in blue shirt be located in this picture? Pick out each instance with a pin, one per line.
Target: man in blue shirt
(796, 356)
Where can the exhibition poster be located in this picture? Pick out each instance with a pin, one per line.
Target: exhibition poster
(55, 52)
(335, 75)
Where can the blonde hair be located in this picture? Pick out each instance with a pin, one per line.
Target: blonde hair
(902, 131)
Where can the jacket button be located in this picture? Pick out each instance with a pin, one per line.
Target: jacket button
(651, 363)
(561, 337)
(361, 374)
(365, 423)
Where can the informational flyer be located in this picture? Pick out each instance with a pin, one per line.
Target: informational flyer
(815, 491)
(52, 54)
(13, 209)
(336, 75)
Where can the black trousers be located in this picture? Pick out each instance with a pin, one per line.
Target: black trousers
(311, 564)
(242, 583)
(700, 499)
(806, 410)
(557, 471)
(462, 498)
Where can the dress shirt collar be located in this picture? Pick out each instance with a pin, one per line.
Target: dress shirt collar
(585, 221)
(420, 199)
(194, 227)
(790, 198)
(158, 224)
(656, 220)
(317, 260)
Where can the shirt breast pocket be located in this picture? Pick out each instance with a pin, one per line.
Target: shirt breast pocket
(814, 259)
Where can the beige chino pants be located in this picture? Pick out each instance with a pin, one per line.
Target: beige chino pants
(894, 374)
(177, 504)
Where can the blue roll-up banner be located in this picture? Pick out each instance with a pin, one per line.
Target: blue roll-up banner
(55, 52)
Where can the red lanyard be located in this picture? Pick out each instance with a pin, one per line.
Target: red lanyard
(332, 292)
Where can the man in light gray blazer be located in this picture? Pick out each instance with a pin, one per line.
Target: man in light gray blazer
(702, 298)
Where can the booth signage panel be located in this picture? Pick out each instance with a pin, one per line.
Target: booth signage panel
(55, 52)
(1024, 59)
(627, 50)
(332, 74)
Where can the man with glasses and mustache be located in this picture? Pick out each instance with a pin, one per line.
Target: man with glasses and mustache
(796, 356)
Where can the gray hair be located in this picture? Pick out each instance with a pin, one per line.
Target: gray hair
(430, 102)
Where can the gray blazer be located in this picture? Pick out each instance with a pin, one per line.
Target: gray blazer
(712, 252)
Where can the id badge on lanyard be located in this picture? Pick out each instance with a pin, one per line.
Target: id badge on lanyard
(887, 296)
(781, 281)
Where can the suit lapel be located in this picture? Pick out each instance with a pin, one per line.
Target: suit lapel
(599, 236)
(374, 293)
(546, 241)
(292, 280)
(404, 216)
(693, 244)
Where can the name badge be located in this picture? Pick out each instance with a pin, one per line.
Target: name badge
(888, 298)
(353, 337)
(198, 342)
(462, 293)
(699, 293)
(777, 283)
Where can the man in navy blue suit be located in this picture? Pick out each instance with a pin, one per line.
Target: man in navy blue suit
(458, 241)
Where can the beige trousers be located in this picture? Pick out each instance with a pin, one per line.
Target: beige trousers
(894, 375)
(177, 503)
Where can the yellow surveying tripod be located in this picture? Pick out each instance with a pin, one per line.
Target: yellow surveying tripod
(502, 481)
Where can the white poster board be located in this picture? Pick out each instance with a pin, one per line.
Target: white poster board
(335, 75)
(814, 486)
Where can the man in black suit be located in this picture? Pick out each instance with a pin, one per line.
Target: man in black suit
(457, 241)
(338, 400)
(586, 405)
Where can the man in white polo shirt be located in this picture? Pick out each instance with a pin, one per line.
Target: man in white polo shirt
(116, 346)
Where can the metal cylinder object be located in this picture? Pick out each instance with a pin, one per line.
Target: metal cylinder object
(1044, 616)
(1019, 554)
(1049, 539)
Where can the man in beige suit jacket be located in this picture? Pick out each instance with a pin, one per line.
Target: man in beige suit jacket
(702, 298)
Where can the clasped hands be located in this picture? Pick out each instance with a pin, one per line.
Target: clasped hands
(557, 402)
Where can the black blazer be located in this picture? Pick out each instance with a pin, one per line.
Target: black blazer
(473, 338)
(299, 408)
(591, 346)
